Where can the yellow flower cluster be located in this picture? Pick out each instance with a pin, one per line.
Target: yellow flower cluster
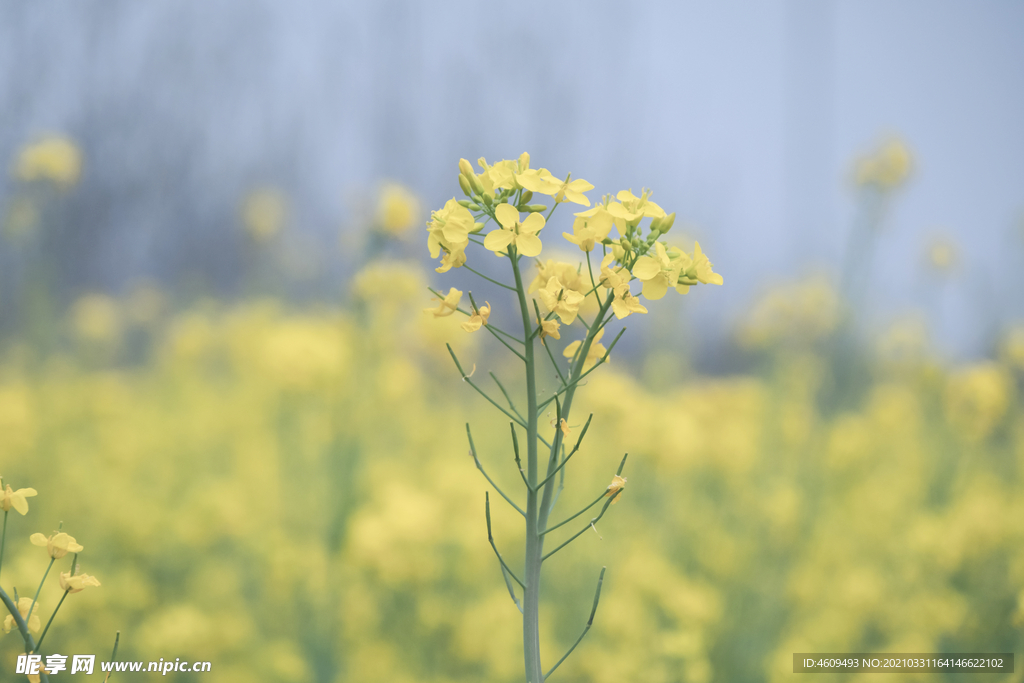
(502, 192)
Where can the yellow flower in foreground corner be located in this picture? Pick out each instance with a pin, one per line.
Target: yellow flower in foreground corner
(24, 605)
(447, 305)
(522, 235)
(16, 499)
(564, 302)
(78, 582)
(618, 483)
(58, 544)
(478, 319)
(595, 354)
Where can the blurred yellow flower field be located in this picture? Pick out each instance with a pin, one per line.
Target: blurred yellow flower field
(285, 490)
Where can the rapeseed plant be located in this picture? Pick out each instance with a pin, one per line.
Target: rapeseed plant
(502, 193)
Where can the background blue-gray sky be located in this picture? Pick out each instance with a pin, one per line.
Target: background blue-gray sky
(743, 117)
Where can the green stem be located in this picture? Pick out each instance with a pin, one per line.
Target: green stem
(43, 635)
(3, 540)
(534, 542)
(479, 466)
(492, 281)
(45, 574)
(590, 622)
(467, 380)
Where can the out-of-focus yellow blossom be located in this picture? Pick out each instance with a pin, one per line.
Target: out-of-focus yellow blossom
(630, 209)
(56, 159)
(57, 544)
(564, 302)
(887, 168)
(447, 305)
(448, 230)
(595, 353)
(977, 398)
(542, 182)
(802, 312)
(78, 582)
(96, 319)
(522, 235)
(942, 254)
(1013, 348)
(657, 272)
(549, 328)
(618, 483)
(264, 212)
(478, 319)
(24, 605)
(397, 209)
(15, 499)
(590, 227)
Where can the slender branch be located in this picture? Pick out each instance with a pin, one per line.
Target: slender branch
(479, 466)
(590, 622)
(574, 449)
(507, 397)
(491, 280)
(467, 380)
(601, 361)
(36, 598)
(490, 539)
(113, 655)
(30, 644)
(581, 531)
(554, 364)
(519, 464)
(3, 540)
(56, 609)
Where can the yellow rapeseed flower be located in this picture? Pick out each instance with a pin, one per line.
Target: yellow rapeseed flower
(24, 605)
(549, 328)
(590, 227)
(447, 305)
(595, 354)
(56, 159)
(78, 582)
(523, 235)
(657, 272)
(448, 231)
(542, 182)
(631, 209)
(478, 319)
(16, 499)
(618, 483)
(564, 302)
(699, 270)
(57, 544)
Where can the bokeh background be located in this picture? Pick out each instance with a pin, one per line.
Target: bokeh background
(215, 368)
